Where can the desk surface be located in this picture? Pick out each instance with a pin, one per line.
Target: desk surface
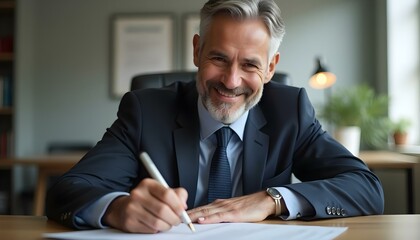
(408, 149)
(53, 160)
(387, 159)
(370, 227)
(374, 159)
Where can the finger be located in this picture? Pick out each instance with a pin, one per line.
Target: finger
(203, 212)
(250, 208)
(219, 216)
(182, 195)
(171, 198)
(195, 213)
(154, 205)
(145, 222)
(128, 215)
(149, 223)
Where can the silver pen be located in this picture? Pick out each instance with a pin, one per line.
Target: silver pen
(154, 172)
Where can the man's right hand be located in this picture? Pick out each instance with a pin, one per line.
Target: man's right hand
(150, 208)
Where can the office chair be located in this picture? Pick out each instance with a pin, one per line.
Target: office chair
(157, 80)
(68, 147)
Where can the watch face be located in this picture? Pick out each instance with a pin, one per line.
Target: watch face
(273, 192)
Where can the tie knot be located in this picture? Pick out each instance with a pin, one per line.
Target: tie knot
(223, 136)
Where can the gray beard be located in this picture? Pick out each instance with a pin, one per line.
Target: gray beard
(223, 112)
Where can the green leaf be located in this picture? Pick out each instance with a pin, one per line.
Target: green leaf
(360, 106)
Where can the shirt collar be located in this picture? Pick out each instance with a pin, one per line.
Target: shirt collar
(208, 125)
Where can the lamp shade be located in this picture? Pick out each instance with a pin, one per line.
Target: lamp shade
(322, 78)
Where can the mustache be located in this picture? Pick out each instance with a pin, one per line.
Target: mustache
(222, 88)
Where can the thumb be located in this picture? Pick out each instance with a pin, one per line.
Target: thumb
(183, 196)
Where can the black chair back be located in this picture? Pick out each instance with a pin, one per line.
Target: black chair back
(158, 80)
(69, 147)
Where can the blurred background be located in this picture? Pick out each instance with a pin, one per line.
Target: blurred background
(62, 69)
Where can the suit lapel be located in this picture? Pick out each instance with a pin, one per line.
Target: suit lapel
(186, 140)
(255, 152)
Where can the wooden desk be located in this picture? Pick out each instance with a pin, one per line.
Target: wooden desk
(49, 165)
(408, 149)
(387, 159)
(393, 160)
(52, 165)
(385, 227)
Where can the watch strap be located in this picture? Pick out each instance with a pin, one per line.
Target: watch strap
(276, 196)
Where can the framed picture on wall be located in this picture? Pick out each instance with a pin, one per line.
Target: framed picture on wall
(141, 43)
(191, 26)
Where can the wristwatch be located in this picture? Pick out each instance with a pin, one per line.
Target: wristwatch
(276, 196)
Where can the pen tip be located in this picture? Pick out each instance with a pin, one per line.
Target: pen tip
(191, 226)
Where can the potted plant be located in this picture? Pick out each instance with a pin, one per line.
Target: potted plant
(400, 131)
(358, 108)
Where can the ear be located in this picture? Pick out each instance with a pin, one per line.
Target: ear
(196, 51)
(272, 67)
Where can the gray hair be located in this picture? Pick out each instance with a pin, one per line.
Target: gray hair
(266, 10)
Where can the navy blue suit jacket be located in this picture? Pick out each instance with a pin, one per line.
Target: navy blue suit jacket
(282, 136)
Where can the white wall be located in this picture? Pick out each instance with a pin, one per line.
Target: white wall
(403, 20)
(404, 62)
(342, 32)
(63, 58)
(64, 68)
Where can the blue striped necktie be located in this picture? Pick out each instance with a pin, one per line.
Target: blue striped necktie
(220, 183)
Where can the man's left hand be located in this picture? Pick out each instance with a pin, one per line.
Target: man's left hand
(250, 208)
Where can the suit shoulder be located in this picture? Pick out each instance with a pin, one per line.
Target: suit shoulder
(172, 96)
(172, 89)
(280, 91)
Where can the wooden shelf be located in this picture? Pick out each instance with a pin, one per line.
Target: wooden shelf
(7, 5)
(6, 57)
(6, 111)
(7, 29)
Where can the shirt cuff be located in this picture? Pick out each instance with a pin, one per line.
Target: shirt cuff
(297, 205)
(92, 214)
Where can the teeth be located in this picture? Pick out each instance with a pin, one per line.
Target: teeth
(226, 94)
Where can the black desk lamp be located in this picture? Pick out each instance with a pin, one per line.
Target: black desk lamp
(322, 78)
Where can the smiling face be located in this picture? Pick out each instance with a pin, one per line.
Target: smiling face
(233, 66)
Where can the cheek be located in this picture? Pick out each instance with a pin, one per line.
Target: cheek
(210, 72)
(255, 82)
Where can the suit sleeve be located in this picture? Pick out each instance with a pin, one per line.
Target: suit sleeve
(110, 166)
(334, 182)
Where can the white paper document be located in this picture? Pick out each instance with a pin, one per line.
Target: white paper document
(242, 231)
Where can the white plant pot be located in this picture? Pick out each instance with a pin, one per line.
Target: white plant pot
(349, 137)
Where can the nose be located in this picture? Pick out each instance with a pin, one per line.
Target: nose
(232, 77)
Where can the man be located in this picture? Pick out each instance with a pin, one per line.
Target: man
(273, 133)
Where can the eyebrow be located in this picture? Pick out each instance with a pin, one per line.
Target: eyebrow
(217, 53)
(253, 61)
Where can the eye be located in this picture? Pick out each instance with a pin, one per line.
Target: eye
(218, 59)
(250, 67)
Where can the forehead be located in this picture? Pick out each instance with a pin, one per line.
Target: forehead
(246, 35)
